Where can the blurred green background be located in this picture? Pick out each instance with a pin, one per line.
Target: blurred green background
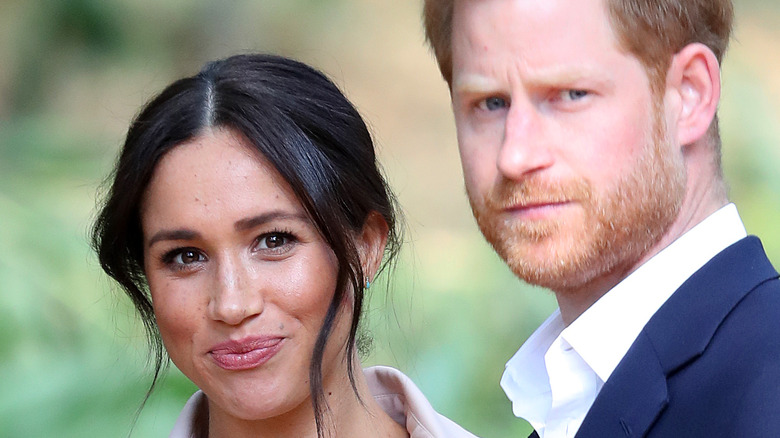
(73, 73)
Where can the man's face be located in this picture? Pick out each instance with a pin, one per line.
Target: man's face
(568, 166)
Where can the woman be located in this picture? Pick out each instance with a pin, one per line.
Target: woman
(245, 220)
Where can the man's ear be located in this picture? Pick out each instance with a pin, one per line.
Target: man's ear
(694, 81)
(371, 244)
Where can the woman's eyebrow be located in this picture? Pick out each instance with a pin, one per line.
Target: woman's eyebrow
(251, 222)
(180, 234)
(240, 225)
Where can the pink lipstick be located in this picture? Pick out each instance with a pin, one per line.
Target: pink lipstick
(247, 353)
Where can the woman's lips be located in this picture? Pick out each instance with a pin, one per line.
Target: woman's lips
(246, 353)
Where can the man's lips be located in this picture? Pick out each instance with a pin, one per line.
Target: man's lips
(535, 204)
(535, 209)
(246, 353)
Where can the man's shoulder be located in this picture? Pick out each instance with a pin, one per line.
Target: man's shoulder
(743, 260)
(727, 279)
(706, 363)
(735, 317)
(727, 389)
(755, 319)
(738, 288)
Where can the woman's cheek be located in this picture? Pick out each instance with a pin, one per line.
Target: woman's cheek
(177, 315)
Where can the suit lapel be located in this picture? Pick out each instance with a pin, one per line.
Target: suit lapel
(631, 399)
(636, 393)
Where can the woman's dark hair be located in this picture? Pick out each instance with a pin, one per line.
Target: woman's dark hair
(303, 125)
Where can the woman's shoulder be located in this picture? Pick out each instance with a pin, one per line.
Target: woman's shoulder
(403, 401)
(395, 393)
(192, 418)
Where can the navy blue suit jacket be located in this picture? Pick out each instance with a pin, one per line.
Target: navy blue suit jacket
(707, 364)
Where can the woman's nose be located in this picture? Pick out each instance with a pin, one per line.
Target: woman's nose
(235, 295)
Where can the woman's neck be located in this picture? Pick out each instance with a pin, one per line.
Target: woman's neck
(345, 416)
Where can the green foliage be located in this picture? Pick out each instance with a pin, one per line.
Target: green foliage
(72, 354)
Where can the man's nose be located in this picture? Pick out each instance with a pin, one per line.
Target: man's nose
(525, 147)
(236, 293)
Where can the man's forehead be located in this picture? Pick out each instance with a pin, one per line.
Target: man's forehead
(501, 38)
(535, 8)
(535, 15)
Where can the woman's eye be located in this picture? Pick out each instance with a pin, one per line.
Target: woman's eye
(493, 103)
(273, 240)
(185, 257)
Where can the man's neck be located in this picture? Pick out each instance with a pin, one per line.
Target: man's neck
(575, 302)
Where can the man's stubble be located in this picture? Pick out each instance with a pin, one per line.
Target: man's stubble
(614, 230)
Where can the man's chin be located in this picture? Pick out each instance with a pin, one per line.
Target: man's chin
(561, 262)
(558, 277)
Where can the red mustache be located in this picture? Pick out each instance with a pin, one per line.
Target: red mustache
(508, 194)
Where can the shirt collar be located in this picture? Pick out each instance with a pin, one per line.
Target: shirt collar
(525, 379)
(603, 334)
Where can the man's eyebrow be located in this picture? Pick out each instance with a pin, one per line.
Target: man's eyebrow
(548, 77)
(474, 83)
(564, 76)
(251, 222)
(180, 234)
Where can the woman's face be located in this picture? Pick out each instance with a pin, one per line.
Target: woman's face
(239, 276)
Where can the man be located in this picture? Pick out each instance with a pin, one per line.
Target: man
(590, 147)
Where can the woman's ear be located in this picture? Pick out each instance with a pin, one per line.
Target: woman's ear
(371, 244)
(693, 80)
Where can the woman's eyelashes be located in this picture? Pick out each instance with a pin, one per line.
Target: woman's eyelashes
(275, 242)
(181, 259)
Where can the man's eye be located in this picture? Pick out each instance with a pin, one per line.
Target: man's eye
(494, 103)
(572, 95)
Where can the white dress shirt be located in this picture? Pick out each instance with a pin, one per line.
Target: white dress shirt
(556, 375)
